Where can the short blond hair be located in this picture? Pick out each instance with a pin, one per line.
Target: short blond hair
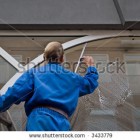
(53, 52)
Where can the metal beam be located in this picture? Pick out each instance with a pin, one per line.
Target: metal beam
(9, 59)
(120, 13)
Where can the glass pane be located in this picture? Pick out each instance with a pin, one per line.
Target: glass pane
(112, 106)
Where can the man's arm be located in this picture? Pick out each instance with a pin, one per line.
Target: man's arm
(89, 82)
(19, 92)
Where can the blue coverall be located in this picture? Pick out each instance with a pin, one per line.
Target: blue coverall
(50, 85)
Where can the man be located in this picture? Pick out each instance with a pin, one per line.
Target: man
(50, 92)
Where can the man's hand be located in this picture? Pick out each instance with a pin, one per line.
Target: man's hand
(88, 60)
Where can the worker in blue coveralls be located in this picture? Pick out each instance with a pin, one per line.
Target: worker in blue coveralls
(50, 91)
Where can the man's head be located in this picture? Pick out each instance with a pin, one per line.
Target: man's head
(54, 52)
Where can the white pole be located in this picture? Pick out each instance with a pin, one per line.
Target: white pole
(80, 57)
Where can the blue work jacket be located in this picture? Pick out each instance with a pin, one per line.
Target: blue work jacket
(50, 85)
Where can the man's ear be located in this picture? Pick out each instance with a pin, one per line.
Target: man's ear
(62, 59)
(44, 57)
